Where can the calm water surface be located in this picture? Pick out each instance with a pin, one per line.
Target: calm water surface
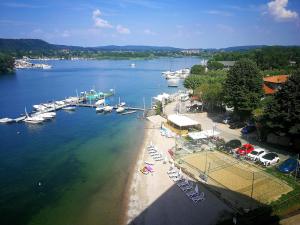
(81, 159)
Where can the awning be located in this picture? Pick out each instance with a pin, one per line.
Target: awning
(182, 121)
(203, 134)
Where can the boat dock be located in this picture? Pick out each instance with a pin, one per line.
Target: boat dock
(81, 101)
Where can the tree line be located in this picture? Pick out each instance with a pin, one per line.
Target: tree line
(241, 88)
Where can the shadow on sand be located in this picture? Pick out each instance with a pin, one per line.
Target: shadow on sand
(173, 207)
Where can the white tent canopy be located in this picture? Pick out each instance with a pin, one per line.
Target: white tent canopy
(203, 134)
(182, 121)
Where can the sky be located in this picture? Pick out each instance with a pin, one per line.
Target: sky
(184, 24)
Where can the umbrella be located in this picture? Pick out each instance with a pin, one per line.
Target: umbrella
(149, 168)
(196, 189)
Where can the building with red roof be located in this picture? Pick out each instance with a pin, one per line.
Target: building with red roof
(273, 83)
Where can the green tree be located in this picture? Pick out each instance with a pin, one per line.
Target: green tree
(282, 115)
(6, 64)
(211, 94)
(192, 82)
(214, 65)
(198, 69)
(243, 88)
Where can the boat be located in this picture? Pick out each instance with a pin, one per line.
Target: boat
(48, 115)
(120, 109)
(99, 109)
(173, 82)
(46, 66)
(121, 103)
(40, 107)
(128, 112)
(100, 102)
(132, 65)
(6, 120)
(33, 120)
(69, 108)
(107, 108)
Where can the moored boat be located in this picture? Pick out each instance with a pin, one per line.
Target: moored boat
(6, 120)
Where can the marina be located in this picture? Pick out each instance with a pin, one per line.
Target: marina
(46, 111)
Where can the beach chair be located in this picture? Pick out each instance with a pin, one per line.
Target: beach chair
(197, 199)
(158, 159)
(192, 194)
(154, 154)
(185, 189)
(183, 185)
(178, 179)
(174, 175)
(172, 171)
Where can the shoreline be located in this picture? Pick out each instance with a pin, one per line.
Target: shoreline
(132, 172)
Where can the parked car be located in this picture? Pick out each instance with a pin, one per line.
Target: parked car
(289, 165)
(245, 149)
(257, 153)
(248, 129)
(270, 158)
(233, 144)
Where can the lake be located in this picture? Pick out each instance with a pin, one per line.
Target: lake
(74, 168)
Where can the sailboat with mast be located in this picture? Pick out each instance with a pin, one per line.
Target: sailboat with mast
(121, 105)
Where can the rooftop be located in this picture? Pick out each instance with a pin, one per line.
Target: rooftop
(182, 121)
(278, 79)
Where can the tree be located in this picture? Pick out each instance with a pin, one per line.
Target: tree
(6, 64)
(192, 82)
(282, 115)
(214, 65)
(198, 69)
(243, 88)
(211, 94)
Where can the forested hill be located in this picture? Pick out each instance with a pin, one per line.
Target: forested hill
(14, 45)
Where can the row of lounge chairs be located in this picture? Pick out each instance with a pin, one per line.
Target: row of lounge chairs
(186, 185)
(153, 152)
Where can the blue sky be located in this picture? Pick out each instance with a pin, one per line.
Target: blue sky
(187, 24)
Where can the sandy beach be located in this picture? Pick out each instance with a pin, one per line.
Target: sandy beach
(155, 199)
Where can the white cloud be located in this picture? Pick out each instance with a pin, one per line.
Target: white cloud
(122, 30)
(217, 12)
(99, 22)
(149, 32)
(278, 10)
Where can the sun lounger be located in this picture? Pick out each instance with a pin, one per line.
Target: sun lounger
(192, 194)
(197, 199)
(174, 175)
(185, 189)
(177, 179)
(183, 185)
(155, 154)
(158, 159)
(172, 172)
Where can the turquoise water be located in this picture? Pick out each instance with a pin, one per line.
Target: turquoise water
(81, 159)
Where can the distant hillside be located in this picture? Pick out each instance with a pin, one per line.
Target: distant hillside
(241, 48)
(13, 45)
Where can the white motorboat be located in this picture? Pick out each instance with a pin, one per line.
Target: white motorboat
(132, 65)
(69, 108)
(99, 109)
(40, 107)
(120, 109)
(107, 108)
(173, 82)
(100, 102)
(48, 115)
(33, 119)
(6, 120)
